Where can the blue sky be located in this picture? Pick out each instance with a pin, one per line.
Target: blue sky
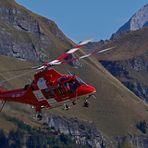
(83, 19)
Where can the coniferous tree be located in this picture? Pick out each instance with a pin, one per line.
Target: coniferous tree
(3, 140)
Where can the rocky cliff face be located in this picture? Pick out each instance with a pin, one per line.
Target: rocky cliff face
(132, 141)
(128, 72)
(84, 133)
(137, 21)
(26, 35)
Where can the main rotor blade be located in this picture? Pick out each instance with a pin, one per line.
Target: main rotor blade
(104, 50)
(85, 42)
(86, 55)
(58, 61)
(71, 51)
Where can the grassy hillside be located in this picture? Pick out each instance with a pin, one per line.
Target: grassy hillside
(127, 46)
(11, 109)
(115, 111)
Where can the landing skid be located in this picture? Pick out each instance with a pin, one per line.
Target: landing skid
(3, 104)
(86, 102)
(39, 116)
(66, 107)
(74, 102)
(89, 96)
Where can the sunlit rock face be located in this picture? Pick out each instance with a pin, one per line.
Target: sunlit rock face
(137, 21)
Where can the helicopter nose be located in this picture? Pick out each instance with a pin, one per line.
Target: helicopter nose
(85, 89)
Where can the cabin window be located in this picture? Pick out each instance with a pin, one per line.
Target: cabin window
(49, 92)
(61, 89)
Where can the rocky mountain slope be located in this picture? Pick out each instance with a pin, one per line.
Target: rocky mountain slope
(137, 21)
(26, 35)
(128, 61)
(116, 110)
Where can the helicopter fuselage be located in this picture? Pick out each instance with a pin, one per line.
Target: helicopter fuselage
(49, 89)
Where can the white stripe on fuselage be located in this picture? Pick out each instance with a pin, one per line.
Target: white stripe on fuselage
(39, 96)
(52, 102)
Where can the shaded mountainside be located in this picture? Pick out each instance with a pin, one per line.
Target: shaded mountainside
(128, 61)
(115, 111)
(84, 133)
(132, 141)
(132, 73)
(28, 136)
(137, 21)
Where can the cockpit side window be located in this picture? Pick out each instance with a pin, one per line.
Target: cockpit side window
(72, 85)
(60, 89)
(49, 92)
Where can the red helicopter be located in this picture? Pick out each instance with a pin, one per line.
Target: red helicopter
(51, 89)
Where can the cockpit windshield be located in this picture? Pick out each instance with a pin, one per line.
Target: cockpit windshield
(80, 80)
(72, 85)
(63, 79)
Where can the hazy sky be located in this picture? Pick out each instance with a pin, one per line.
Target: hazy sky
(83, 19)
